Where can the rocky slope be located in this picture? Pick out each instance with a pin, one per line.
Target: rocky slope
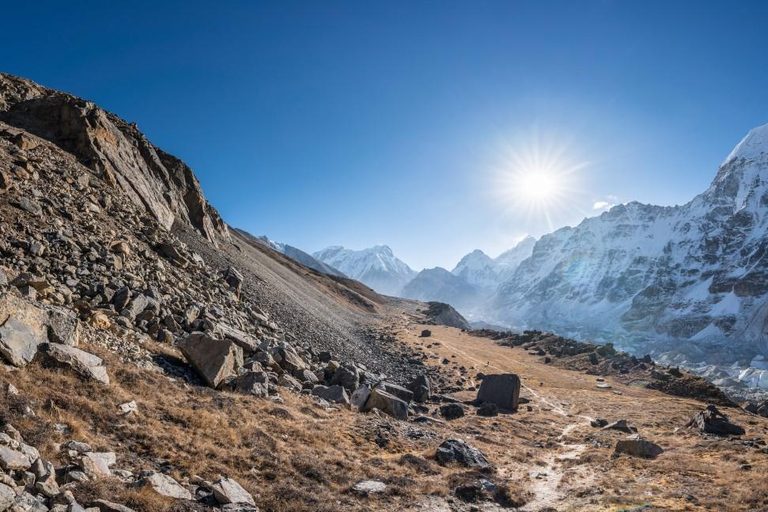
(690, 280)
(376, 266)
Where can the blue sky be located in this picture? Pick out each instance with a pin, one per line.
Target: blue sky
(356, 123)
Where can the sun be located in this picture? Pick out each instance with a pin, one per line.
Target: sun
(537, 178)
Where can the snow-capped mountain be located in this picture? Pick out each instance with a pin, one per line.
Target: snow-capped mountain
(437, 284)
(376, 266)
(294, 253)
(477, 269)
(508, 261)
(690, 280)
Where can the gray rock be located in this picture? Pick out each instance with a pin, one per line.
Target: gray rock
(82, 362)
(366, 487)
(620, 425)
(96, 464)
(488, 410)
(215, 360)
(399, 391)
(451, 411)
(7, 495)
(241, 338)
(253, 383)
(346, 376)
(227, 491)
(334, 394)
(500, 389)
(712, 421)
(108, 506)
(165, 486)
(421, 387)
(360, 396)
(13, 460)
(386, 403)
(455, 450)
(63, 327)
(638, 447)
(23, 327)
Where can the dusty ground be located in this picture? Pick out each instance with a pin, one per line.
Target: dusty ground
(553, 452)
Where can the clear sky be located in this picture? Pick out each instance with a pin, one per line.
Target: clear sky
(408, 122)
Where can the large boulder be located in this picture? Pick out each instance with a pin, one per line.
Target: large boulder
(82, 362)
(712, 421)
(7, 495)
(500, 389)
(334, 394)
(399, 391)
(386, 403)
(23, 327)
(214, 359)
(240, 338)
(636, 446)
(13, 460)
(421, 387)
(227, 491)
(455, 450)
(165, 486)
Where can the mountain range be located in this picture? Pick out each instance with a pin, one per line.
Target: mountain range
(687, 283)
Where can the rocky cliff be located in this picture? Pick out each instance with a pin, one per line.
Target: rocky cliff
(113, 150)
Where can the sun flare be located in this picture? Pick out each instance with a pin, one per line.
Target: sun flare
(539, 178)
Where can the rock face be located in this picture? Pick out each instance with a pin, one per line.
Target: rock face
(502, 390)
(114, 150)
(215, 360)
(440, 313)
(690, 279)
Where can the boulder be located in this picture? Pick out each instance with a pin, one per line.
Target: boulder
(455, 450)
(712, 421)
(346, 376)
(620, 425)
(334, 394)
(82, 362)
(253, 383)
(366, 487)
(240, 338)
(360, 396)
(488, 410)
(108, 506)
(13, 460)
(63, 327)
(421, 387)
(234, 279)
(7, 495)
(165, 486)
(96, 464)
(451, 411)
(214, 359)
(426, 333)
(386, 403)
(398, 391)
(23, 327)
(227, 491)
(500, 389)
(638, 447)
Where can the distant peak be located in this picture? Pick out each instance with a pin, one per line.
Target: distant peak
(751, 146)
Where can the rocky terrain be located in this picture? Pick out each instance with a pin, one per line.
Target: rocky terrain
(154, 359)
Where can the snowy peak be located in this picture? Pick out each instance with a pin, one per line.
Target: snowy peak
(754, 145)
(477, 268)
(376, 266)
(509, 260)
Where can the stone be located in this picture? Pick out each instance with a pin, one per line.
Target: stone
(13, 460)
(457, 451)
(488, 410)
(451, 411)
(234, 279)
(253, 383)
(29, 205)
(346, 376)
(598, 423)
(366, 487)
(82, 362)
(712, 421)
(334, 394)
(128, 408)
(63, 327)
(620, 425)
(25, 502)
(23, 327)
(165, 486)
(426, 333)
(399, 391)
(7, 495)
(638, 447)
(386, 403)
(500, 389)
(240, 338)
(421, 387)
(227, 491)
(289, 382)
(360, 396)
(96, 464)
(108, 506)
(214, 359)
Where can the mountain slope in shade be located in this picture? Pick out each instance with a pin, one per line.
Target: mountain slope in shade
(376, 266)
(690, 279)
(437, 284)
